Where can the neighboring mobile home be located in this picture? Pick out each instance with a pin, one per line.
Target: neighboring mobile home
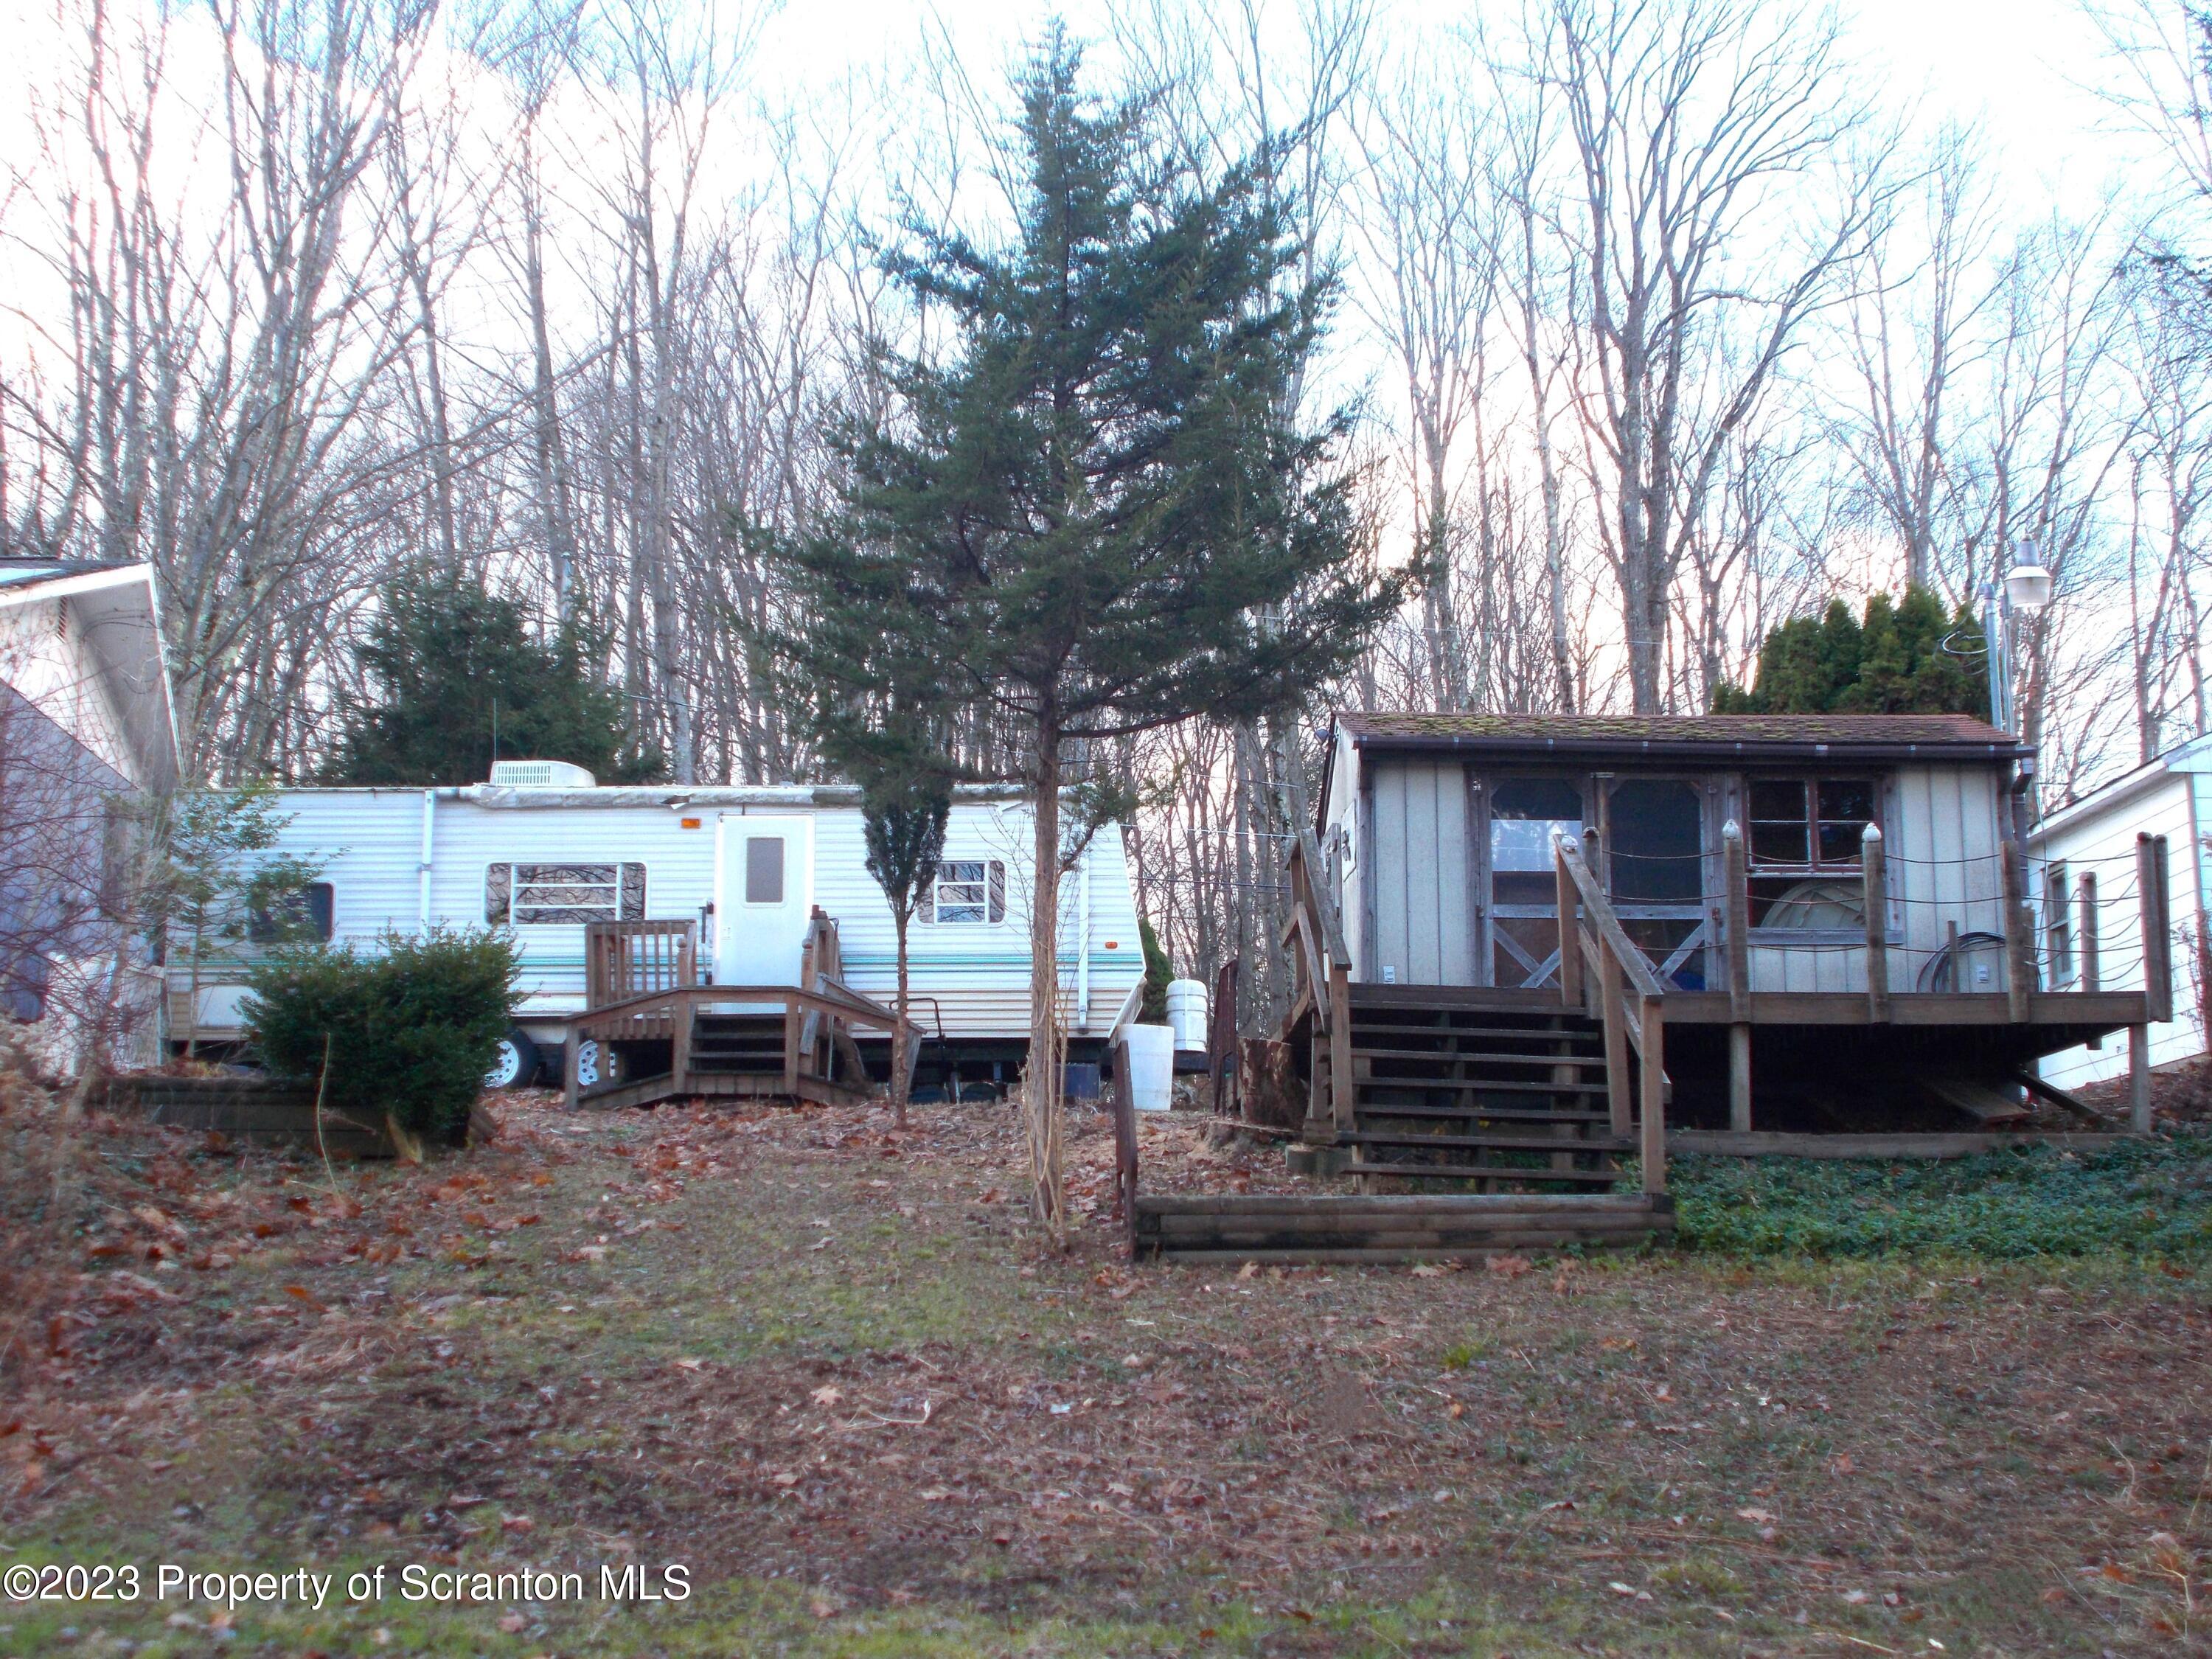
(86, 725)
(1817, 921)
(2087, 931)
(617, 892)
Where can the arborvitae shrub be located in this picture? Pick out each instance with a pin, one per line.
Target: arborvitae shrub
(409, 1030)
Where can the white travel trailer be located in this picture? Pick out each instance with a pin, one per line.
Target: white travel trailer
(739, 882)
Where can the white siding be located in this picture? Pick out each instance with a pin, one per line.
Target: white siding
(367, 842)
(45, 655)
(2105, 841)
(1423, 915)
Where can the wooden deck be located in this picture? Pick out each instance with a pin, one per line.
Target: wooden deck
(1971, 1050)
(655, 1033)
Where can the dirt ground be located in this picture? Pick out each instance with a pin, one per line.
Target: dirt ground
(832, 1373)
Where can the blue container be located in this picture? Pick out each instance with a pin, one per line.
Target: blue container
(1079, 1082)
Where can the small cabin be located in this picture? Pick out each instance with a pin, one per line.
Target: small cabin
(1833, 915)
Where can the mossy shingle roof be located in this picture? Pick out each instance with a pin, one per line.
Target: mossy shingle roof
(1705, 731)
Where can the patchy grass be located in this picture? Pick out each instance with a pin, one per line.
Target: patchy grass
(2148, 1198)
(833, 1373)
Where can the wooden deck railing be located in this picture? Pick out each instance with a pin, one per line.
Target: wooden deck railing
(1321, 970)
(624, 959)
(1603, 972)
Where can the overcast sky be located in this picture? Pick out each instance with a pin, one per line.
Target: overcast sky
(2021, 70)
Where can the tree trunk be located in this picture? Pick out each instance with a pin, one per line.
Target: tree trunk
(900, 918)
(1041, 1088)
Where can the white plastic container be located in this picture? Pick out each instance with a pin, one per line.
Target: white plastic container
(1149, 1053)
(1187, 1000)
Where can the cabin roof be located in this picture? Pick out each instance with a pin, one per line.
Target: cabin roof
(1747, 737)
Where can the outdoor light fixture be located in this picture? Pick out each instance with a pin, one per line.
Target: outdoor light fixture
(2027, 587)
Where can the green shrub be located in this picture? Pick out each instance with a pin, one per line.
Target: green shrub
(2149, 1197)
(409, 1030)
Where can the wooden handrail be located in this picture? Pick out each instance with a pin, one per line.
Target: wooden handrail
(1597, 909)
(1631, 1004)
(841, 1001)
(1326, 961)
(1305, 852)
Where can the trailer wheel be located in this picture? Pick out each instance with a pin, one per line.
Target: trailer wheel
(589, 1057)
(515, 1062)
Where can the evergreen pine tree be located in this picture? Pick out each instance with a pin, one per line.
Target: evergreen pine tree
(1883, 682)
(1893, 662)
(449, 664)
(1090, 513)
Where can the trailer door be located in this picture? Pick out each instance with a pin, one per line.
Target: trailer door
(763, 898)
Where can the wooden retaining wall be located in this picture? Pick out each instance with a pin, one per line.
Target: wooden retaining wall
(1392, 1227)
(262, 1111)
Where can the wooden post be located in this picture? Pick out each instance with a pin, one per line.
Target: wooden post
(679, 1049)
(1570, 944)
(2086, 946)
(1735, 929)
(1343, 1088)
(571, 1061)
(793, 1021)
(2020, 940)
(1651, 1080)
(2139, 1079)
(2085, 943)
(1736, 899)
(2157, 928)
(1872, 866)
(1616, 1043)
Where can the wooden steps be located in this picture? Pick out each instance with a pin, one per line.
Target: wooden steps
(738, 1043)
(1491, 1079)
(1486, 1113)
(1388, 1228)
(1518, 1143)
(1400, 1171)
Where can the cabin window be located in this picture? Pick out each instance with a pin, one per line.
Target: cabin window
(294, 916)
(1806, 838)
(1657, 851)
(2057, 926)
(968, 890)
(1525, 813)
(764, 869)
(537, 895)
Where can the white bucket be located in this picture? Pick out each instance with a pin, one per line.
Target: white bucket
(1187, 1012)
(1149, 1053)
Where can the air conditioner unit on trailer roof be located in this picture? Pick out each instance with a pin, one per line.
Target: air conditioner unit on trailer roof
(539, 774)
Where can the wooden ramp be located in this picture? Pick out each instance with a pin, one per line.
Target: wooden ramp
(1391, 1227)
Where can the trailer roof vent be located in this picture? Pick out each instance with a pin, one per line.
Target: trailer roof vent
(539, 774)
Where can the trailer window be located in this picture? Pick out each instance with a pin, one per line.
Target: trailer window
(292, 917)
(970, 890)
(764, 869)
(533, 895)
